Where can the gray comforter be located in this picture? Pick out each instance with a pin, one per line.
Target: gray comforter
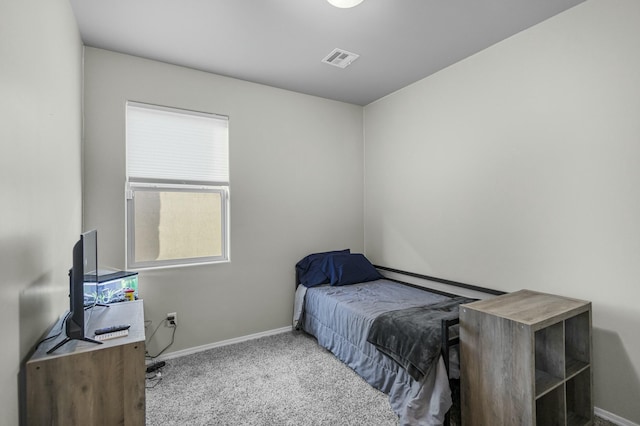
(412, 337)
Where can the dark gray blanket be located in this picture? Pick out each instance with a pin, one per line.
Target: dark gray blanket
(412, 337)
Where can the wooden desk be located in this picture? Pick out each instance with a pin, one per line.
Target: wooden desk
(83, 383)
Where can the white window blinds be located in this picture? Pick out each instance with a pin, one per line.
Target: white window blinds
(175, 145)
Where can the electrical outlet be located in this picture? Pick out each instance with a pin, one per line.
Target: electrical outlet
(172, 319)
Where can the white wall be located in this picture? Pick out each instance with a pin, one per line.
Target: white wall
(296, 187)
(519, 168)
(40, 176)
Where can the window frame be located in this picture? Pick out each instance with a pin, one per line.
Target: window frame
(133, 185)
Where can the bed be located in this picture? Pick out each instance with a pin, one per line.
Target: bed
(341, 299)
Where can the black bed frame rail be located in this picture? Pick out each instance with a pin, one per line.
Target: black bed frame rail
(447, 343)
(447, 340)
(442, 281)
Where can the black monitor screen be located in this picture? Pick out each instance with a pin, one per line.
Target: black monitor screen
(90, 266)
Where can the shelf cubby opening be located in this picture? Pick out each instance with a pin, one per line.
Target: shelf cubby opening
(550, 408)
(549, 357)
(578, 399)
(577, 343)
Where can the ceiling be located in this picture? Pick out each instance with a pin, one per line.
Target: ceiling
(281, 43)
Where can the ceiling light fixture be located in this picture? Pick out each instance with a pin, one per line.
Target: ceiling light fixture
(345, 3)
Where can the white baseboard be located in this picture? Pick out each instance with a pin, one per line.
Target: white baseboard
(613, 418)
(197, 349)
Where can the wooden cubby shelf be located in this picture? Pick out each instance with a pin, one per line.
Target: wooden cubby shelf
(526, 360)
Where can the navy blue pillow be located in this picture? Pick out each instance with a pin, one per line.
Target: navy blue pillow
(309, 269)
(344, 269)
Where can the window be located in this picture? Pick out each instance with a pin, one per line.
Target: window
(177, 187)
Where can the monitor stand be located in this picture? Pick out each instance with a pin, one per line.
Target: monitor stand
(68, 339)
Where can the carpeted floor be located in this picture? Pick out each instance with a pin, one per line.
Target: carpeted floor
(284, 379)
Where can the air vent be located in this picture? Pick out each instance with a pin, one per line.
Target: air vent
(340, 58)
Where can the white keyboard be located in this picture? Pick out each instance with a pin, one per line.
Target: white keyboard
(112, 335)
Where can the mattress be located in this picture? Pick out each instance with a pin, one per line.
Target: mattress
(340, 317)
